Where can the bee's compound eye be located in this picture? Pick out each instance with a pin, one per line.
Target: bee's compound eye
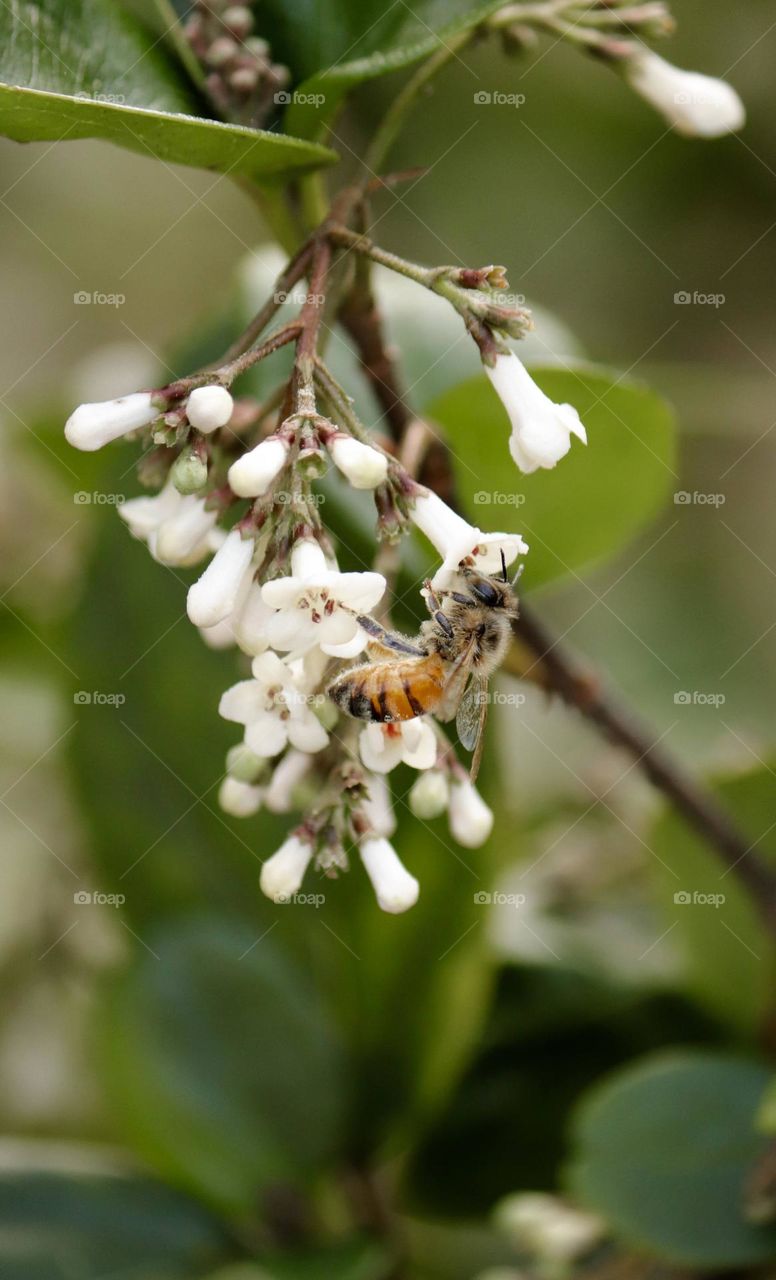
(486, 592)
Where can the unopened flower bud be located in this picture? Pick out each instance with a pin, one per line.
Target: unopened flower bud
(430, 794)
(243, 764)
(396, 890)
(362, 465)
(693, 104)
(209, 408)
(471, 821)
(221, 52)
(256, 47)
(239, 20)
(240, 799)
(213, 596)
(252, 474)
(189, 471)
(244, 79)
(282, 874)
(91, 426)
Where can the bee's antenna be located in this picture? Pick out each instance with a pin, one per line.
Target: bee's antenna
(518, 574)
(504, 567)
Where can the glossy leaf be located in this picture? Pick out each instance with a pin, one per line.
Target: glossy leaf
(85, 1226)
(357, 41)
(86, 69)
(595, 500)
(220, 1063)
(663, 1151)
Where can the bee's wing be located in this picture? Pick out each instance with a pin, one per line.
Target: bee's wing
(455, 683)
(470, 720)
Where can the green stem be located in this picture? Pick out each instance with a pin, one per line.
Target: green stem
(362, 244)
(387, 132)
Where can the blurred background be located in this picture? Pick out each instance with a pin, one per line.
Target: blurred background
(606, 223)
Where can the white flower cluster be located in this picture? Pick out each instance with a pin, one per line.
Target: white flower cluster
(295, 614)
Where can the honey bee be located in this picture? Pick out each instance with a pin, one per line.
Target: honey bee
(445, 670)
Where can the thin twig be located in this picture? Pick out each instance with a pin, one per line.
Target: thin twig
(289, 276)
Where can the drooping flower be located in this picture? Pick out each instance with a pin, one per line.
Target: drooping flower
(412, 742)
(378, 808)
(282, 874)
(91, 426)
(209, 408)
(456, 540)
(318, 605)
(430, 794)
(252, 474)
(286, 777)
(541, 429)
(395, 889)
(240, 799)
(363, 466)
(178, 528)
(695, 105)
(214, 595)
(273, 710)
(471, 821)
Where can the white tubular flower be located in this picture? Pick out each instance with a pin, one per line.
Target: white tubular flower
(319, 605)
(144, 515)
(541, 429)
(456, 540)
(286, 776)
(412, 742)
(220, 636)
(91, 426)
(696, 105)
(359, 463)
(240, 799)
(396, 890)
(186, 535)
(252, 474)
(209, 408)
(177, 528)
(249, 621)
(378, 807)
(213, 596)
(283, 873)
(273, 710)
(471, 821)
(430, 794)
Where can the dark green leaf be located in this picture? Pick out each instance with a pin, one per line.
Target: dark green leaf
(221, 1065)
(663, 1151)
(84, 69)
(83, 1226)
(550, 1034)
(353, 41)
(730, 958)
(597, 497)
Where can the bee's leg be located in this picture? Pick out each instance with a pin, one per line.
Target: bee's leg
(434, 606)
(388, 639)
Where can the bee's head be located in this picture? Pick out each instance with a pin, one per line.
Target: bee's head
(486, 591)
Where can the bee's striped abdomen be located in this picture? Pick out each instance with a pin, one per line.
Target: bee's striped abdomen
(389, 691)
